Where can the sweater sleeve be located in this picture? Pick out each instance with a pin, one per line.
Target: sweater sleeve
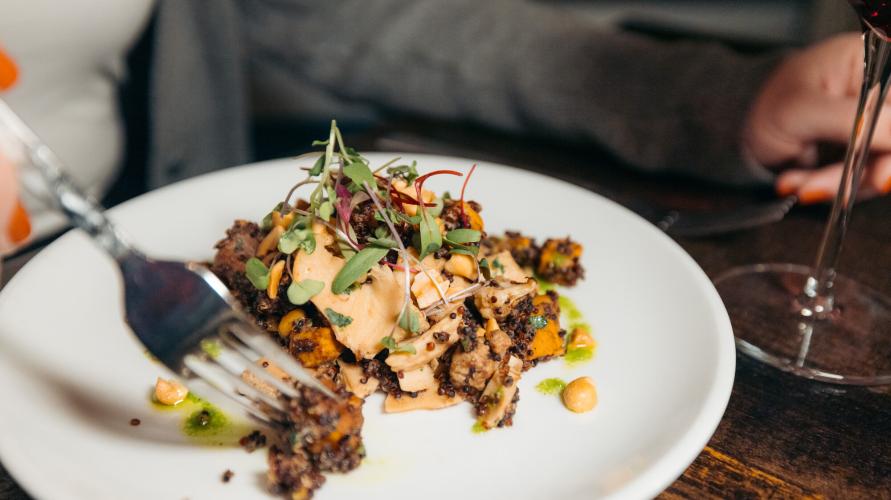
(526, 67)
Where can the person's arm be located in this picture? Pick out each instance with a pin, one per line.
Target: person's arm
(526, 67)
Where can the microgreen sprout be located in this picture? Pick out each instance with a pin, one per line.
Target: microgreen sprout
(343, 181)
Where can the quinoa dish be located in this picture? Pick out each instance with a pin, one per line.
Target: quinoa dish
(377, 284)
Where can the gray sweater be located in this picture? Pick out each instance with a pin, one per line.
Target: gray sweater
(508, 64)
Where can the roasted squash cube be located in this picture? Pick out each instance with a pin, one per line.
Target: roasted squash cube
(315, 346)
(546, 319)
(559, 262)
(523, 249)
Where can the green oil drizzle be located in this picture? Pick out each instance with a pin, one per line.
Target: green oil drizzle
(208, 421)
(478, 428)
(212, 348)
(574, 316)
(551, 386)
(544, 285)
(204, 423)
(579, 355)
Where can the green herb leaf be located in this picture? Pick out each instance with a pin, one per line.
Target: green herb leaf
(538, 321)
(390, 343)
(465, 250)
(411, 219)
(257, 273)
(358, 265)
(381, 232)
(431, 238)
(407, 172)
(297, 237)
(300, 292)
(319, 164)
(484, 268)
(498, 266)
(382, 242)
(345, 249)
(352, 153)
(266, 223)
(337, 319)
(409, 320)
(436, 209)
(397, 216)
(463, 235)
(319, 143)
(326, 209)
(359, 173)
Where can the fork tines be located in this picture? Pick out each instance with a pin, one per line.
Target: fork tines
(232, 356)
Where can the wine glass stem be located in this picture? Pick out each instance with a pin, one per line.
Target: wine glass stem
(818, 292)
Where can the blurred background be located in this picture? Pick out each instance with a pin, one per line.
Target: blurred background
(752, 26)
(753, 23)
(747, 25)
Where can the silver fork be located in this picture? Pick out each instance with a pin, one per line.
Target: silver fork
(182, 313)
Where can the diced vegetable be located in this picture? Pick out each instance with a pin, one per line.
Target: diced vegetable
(560, 262)
(315, 346)
(547, 340)
(289, 321)
(476, 222)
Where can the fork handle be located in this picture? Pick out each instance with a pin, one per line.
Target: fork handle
(80, 210)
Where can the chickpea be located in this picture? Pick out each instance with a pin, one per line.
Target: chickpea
(580, 395)
(170, 392)
(581, 338)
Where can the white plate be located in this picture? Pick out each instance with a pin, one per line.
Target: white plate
(73, 375)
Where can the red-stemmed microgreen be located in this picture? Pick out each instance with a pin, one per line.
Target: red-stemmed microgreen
(343, 181)
(344, 211)
(464, 220)
(430, 234)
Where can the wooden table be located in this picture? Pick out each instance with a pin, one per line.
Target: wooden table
(781, 437)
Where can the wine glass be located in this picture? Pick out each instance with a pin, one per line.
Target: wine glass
(809, 320)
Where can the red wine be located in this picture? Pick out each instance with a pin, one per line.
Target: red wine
(875, 13)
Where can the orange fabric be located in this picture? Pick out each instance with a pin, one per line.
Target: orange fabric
(19, 226)
(9, 73)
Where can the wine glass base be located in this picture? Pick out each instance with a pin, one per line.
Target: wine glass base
(851, 346)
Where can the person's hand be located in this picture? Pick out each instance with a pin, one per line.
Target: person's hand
(811, 98)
